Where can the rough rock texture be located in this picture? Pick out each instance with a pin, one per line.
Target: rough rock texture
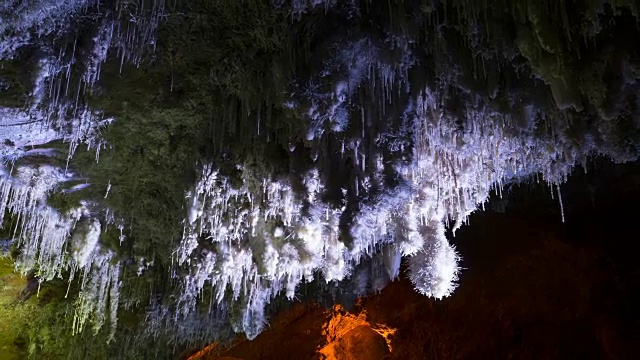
(361, 343)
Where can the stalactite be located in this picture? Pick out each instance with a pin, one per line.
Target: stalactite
(397, 160)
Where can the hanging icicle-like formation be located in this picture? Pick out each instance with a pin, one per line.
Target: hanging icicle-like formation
(260, 239)
(55, 243)
(56, 103)
(392, 161)
(40, 230)
(99, 296)
(50, 242)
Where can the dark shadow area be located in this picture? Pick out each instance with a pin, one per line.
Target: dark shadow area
(532, 288)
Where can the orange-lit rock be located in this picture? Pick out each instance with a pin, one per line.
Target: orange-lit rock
(351, 336)
(333, 334)
(361, 343)
(339, 322)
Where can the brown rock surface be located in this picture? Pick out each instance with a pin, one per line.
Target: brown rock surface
(361, 343)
